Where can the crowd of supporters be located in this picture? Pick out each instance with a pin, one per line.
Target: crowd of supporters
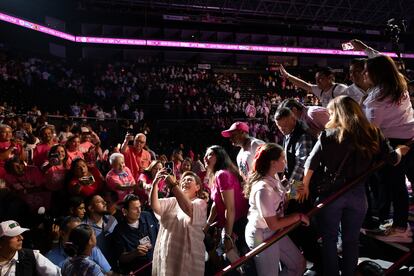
(110, 201)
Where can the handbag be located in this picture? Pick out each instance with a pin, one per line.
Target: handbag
(324, 182)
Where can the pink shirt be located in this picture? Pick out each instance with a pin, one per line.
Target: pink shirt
(84, 147)
(225, 180)
(315, 118)
(3, 147)
(40, 154)
(55, 177)
(135, 161)
(125, 178)
(32, 178)
(72, 155)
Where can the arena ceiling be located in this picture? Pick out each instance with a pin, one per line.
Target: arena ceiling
(366, 12)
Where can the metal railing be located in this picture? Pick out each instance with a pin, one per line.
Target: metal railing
(280, 234)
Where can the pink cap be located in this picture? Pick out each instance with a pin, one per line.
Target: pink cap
(236, 126)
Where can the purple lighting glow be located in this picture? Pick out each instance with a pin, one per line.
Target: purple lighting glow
(183, 44)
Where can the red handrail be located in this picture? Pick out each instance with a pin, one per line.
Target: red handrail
(392, 269)
(278, 235)
(132, 273)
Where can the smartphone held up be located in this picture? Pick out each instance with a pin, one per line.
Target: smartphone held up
(347, 46)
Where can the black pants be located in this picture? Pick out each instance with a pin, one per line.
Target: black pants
(392, 189)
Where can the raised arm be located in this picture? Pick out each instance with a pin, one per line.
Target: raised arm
(124, 146)
(154, 202)
(295, 80)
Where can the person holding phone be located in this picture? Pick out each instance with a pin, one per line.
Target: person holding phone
(180, 248)
(136, 157)
(83, 180)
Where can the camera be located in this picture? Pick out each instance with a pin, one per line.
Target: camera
(169, 166)
(394, 28)
(54, 158)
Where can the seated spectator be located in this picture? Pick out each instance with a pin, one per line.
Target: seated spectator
(90, 146)
(79, 247)
(16, 260)
(64, 134)
(177, 158)
(120, 178)
(136, 157)
(88, 139)
(58, 256)
(102, 223)
(76, 207)
(55, 168)
(72, 149)
(84, 181)
(182, 219)
(40, 152)
(186, 166)
(134, 237)
(147, 177)
(8, 147)
(28, 182)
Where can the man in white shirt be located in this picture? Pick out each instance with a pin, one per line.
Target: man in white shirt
(325, 88)
(238, 133)
(15, 260)
(359, 87)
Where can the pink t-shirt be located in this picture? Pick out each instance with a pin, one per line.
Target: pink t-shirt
(136, 162)
(40, 154)
(125, 178)
(72, 155)
(84, 147)
(22, 185)
(55, 177)
(3, 147)
(225, 180)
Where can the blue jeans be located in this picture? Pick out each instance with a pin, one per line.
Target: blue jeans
(349, 210)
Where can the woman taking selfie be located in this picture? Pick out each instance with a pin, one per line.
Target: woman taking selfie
(388, 106)
(179, 249)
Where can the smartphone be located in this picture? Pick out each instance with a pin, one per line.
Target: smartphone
(169, 166)
(54, 158)
(86, 180)
(347, 46)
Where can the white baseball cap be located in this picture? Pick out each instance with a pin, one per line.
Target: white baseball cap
(11, 228)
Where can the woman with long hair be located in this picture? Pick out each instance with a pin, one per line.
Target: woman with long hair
(388, 106)
(83, 180)
(182, 219)
(352, 138)
(82, 240)
(55, 168)
(229, 207)
(266, 214)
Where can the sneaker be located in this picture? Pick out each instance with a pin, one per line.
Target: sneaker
(386, 225)
(393, 235)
